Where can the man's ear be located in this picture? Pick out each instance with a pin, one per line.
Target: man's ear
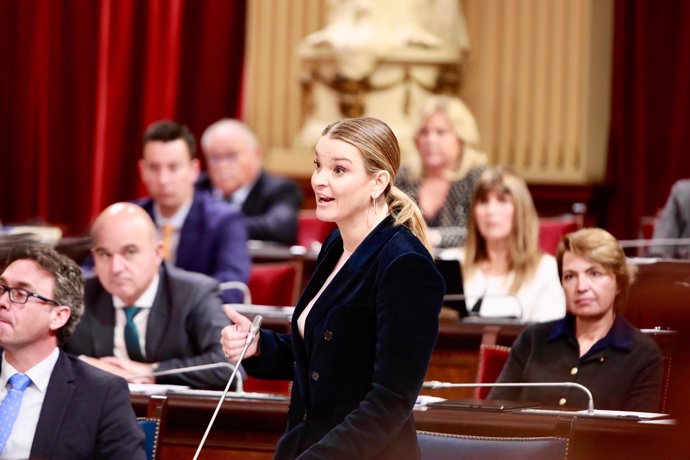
(59, 316)
(196, 169)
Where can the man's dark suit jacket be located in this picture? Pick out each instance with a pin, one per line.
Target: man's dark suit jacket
(213, 241)
(271, 207)
(86, 414)
(368, 340)
(183, 329)
(674, 222)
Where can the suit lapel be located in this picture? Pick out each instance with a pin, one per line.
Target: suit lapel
(252, 204)
(158, 317)
(347, 275)
(103, 327)
(190, 233)
(57, 399)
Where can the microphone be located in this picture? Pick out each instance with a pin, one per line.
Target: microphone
(435, 385)
(253, 330)
(184, 370)
(642, 243)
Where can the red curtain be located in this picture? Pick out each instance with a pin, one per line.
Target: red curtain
(82, 79)
(650, 120)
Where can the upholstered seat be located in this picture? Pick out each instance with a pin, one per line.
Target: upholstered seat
(441, 446)
(153, 425)
(492, 358)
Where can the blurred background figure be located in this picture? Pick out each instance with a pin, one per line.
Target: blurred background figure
(144, 315)
(674, 222)
(269, 203)
(593, 345)
(504, 271)
(441, 178)
(199, 233)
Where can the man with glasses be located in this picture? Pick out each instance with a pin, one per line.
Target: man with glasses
(199, 233)
(54, 405)
(143, 315)
(269, 203)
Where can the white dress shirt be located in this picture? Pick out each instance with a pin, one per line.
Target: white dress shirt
(176, 221)
(21, 438)
(145, 302)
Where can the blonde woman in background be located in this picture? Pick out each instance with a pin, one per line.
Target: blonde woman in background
(442, 176)
(505, 273)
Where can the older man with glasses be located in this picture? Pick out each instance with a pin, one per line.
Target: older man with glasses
(54, 405)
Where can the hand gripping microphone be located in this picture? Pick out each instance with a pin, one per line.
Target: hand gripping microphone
(253, 330)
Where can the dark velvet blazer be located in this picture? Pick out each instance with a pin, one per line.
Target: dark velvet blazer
(86, 414)
(213, 241)
(183, 328)
(368, 340)
(270, 209)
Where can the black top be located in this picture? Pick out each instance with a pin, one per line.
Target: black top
(623, 370)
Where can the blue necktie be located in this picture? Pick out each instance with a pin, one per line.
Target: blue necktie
(132, 335)
(9, 409)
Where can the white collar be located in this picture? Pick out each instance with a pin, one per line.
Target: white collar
(176, 220)
(145, 300)
(39, 374)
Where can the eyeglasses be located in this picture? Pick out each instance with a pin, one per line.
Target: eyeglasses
(21, 296)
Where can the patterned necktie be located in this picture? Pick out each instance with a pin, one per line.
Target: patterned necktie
(9, 409)
(167, 231)
(132, 335)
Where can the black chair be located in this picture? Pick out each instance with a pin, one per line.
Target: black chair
(153, 424)
(442, 446)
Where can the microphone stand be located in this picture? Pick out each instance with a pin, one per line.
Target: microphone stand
(253, 330)
(435, 385)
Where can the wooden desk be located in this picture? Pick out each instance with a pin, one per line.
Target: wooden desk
(251, 429)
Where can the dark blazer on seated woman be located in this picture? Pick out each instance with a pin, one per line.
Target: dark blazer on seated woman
(623, 370)
(359, 368)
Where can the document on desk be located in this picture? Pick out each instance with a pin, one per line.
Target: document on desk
(599, 413)
(230, 395)
(154, 388)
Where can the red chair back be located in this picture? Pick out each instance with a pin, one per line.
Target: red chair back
(492, 358)
(310, 229)
(551, 229)
(275, 284)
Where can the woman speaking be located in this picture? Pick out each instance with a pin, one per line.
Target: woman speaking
(365, 326)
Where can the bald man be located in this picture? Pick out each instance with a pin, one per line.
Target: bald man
(233, 158)
(143, 315)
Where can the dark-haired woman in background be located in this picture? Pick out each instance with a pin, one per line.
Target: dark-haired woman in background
(505, 273)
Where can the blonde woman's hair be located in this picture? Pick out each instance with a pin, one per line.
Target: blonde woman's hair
(599, 246)
(464, 127)
(524, 237)
(380, 150)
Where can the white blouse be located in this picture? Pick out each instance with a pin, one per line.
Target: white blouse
(538, 299)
